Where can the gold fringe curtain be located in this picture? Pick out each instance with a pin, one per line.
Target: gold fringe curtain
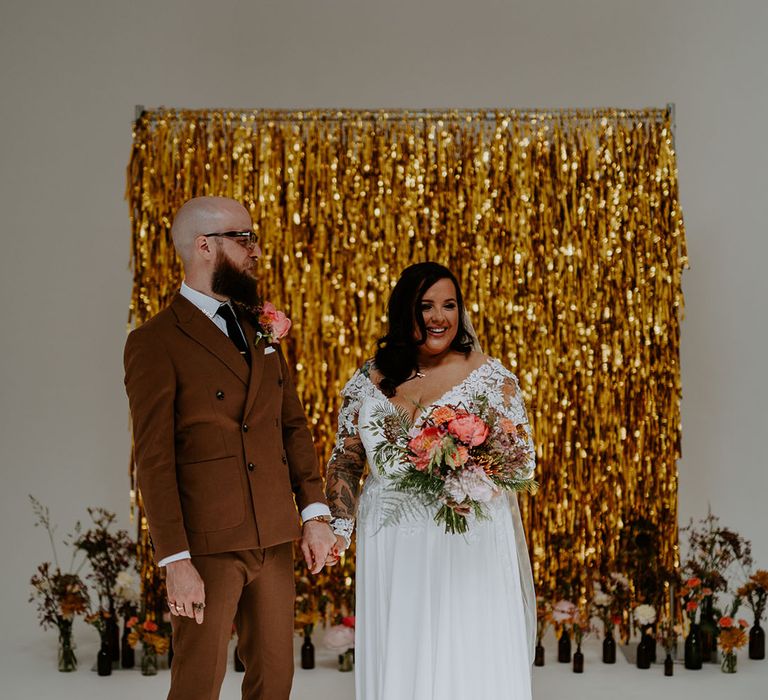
(563, 227)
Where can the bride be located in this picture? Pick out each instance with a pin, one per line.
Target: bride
(439, 615)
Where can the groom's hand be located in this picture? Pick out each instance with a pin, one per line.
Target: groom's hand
(317, 540)
(186, 591)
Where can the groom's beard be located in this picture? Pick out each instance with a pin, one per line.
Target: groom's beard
(235, 284)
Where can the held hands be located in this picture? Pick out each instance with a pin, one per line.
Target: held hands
(317, 541)
(336, 551)
(186, 591)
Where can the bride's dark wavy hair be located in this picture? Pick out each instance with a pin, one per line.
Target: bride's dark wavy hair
(397, 354)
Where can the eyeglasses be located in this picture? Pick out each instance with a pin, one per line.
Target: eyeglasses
(247, 239)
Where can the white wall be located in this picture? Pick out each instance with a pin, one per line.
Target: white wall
(71, 73)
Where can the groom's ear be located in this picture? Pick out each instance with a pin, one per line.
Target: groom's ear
(204, 248)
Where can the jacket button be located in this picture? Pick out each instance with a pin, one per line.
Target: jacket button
(251, 466)
(280, 382)
(285, 460)
(220, 395)
(245, 427)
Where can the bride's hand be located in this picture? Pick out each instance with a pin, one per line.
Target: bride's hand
(336, 551)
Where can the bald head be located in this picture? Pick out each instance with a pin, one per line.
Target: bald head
(206, 215)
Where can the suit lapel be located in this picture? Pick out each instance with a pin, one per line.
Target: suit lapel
(203, 330)
(257, 347)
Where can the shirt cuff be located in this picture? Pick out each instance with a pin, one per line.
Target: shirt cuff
(313, 510)
(174, 557)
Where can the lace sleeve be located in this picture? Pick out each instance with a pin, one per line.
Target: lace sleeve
(347, 463)
(511, 404)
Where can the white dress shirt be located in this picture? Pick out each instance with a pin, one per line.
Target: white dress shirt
(209, 306)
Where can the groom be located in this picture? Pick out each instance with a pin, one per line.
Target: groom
(224, 456)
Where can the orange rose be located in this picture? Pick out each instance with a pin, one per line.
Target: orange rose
(443, 414)
(692, 606)
(150, 626)
(693, 582)
(726, 622)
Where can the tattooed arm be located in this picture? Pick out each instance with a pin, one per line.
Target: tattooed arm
(347, 463)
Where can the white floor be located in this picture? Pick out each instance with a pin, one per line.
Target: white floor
(29, 672)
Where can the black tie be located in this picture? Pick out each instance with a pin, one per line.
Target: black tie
(234, 331)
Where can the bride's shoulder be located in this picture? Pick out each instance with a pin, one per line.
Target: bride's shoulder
(492, 365)
(363, 377)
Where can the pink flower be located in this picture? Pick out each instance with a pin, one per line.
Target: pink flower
(339, 638)
(564, 611)
(469, 429)
(423, 446)
(276, 322)
(472, 484)
(743, 623)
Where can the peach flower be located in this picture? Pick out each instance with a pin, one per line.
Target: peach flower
(469, 429)
(276, 321)
(424, 446)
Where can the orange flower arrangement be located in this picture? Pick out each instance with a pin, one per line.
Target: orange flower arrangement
(755, 592)
(148, 633)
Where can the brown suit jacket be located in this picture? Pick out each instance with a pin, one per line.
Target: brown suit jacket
(221, 450)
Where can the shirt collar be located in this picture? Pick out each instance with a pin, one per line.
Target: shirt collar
(208, 305)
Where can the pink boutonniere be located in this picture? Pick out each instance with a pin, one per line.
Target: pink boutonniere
(274, 324)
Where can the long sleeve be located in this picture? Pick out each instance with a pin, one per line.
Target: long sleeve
(150, 382)
(306, 482)
(347, 464)
(512, 406)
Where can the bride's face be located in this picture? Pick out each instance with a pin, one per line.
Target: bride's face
(440, 311)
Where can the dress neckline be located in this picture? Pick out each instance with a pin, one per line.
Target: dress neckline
(415, 418)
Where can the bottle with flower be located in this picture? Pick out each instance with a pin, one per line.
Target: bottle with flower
(580, 625)
(691, 594)
(645, 617)
(754, 593)
(153, 641)
(563, 614)
(60, 596)
(603, 607)
(733, 636)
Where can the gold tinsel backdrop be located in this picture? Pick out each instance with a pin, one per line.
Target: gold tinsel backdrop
(565, 231)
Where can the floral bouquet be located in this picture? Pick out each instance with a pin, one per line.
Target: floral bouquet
(60, 596)
(645, 616)
(341, 637)
(733, 636)
(692, 593)
(456, 458)
(564, 613)
(543, 618)
(603, 604)
(732, 633)
(147, 632)
(754, 593)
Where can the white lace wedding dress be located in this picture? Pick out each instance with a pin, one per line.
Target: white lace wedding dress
(439, 616)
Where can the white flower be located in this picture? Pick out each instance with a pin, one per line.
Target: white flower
(473, 484)
(339, 638)
(127, 587)
(602, 600)
(620, 579)
(645, 615)
(563, 611)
